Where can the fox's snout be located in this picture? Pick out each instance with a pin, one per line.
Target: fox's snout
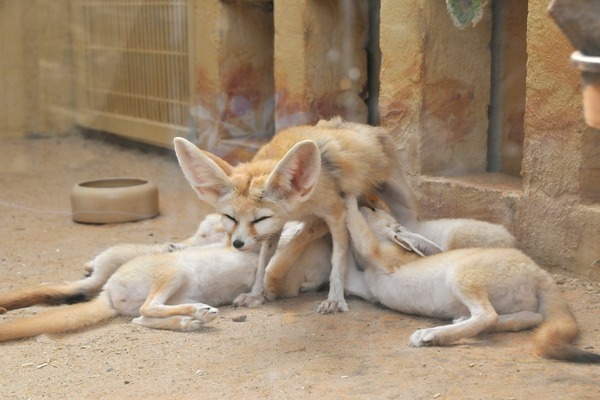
(244, 243)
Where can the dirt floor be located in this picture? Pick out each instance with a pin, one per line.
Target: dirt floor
(281, 350)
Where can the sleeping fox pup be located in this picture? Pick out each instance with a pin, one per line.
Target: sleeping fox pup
(298, 176)
(481, 289)
(165, 286)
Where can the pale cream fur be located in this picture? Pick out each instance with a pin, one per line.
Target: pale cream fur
(481, 289)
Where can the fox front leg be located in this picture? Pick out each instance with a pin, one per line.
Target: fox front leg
(288, 253)
(363, 240)
(339, 234)
(256, 297)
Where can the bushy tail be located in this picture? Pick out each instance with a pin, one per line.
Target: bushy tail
(49, 295)
(59, 320)
(555, 336)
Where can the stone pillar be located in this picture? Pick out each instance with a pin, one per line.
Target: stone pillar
(559, 217)
(36, 68)
(320, 61)
(402, 44)
(233, 94)
(435, 86)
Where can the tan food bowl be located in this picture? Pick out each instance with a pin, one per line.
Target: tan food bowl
(114, 200)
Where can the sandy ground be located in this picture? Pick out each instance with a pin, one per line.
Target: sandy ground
(282, 350)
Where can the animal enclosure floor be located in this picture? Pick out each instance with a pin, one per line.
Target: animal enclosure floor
(282, 350)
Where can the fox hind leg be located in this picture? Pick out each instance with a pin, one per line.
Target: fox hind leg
(441, 335)
(175, 323)
(363, 239)
(177, 316)
(483, 317)
(518, 321)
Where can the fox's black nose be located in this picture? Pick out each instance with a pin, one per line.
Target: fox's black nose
(238, 244)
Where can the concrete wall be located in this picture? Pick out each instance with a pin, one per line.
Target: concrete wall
(559, 213)
(36, 68)
(434, 94)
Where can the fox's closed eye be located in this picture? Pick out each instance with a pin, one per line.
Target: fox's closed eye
(257, 220)
(229, 217)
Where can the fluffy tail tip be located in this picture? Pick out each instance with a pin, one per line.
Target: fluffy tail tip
(554, 340)
(573, 354)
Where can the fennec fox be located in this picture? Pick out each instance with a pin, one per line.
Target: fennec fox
(481, 289)
(219, 273)
(299, 176)
(163, 286)
(462, 233)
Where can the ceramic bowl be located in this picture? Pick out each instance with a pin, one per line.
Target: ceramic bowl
(114, 200)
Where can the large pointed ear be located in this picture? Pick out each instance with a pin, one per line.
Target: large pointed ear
(207, 173)
(296, 174)
(416, 243)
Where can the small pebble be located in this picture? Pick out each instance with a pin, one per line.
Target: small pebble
(240, 318)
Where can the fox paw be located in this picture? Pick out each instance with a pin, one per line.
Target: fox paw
(88, 268)
(270, 294)
(190, 324)
(204, 313)
(422, 337)
(332, 307)
(171, 247)
(248, 300)
(271, 287)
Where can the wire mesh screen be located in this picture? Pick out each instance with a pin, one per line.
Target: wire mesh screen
(135, 58)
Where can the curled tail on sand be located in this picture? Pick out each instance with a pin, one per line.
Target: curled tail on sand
(480, 289)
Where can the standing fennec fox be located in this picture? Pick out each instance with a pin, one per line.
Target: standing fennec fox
(299, 175)
(481, 289)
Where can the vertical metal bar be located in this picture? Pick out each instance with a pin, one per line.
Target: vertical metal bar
(496, 109)
(373, 62)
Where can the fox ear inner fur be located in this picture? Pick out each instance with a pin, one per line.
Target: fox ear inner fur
(415, 243)
(295, 176)
(208, 175)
